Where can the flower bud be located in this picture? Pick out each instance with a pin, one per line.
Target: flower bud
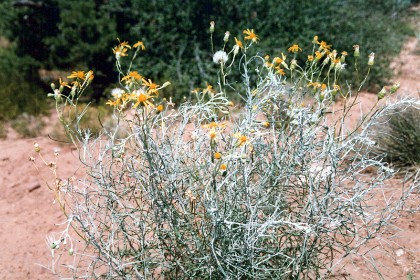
(226, 38)
(356, 51)
(52, 86)
(338, 66)
(382, 93)
(235, 50)
(394, 88)
(37, 148)
(343, 56)
(371, 59)
(211, 26)
(293, 64)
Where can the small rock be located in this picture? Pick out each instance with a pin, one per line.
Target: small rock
(34, 186)
(399, 252)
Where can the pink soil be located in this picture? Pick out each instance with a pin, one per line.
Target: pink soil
(28, 214)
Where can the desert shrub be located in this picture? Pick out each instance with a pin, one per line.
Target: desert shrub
(27, 125)
(398, 135)
(275, 191)
(19, 91)
(3, 130)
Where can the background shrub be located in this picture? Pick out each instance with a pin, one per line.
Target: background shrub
(27, 125)
(398, 136)
(78, 34)
(20, 89)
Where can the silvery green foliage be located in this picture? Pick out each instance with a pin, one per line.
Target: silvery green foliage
(293, 199)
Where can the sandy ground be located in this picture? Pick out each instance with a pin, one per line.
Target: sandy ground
(28, 213)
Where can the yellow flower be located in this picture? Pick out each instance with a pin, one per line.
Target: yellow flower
(77, 75)
(133, 75)
(250, 35)
(277, 60)
(223, 166)
(143, 99)
(114, 103)
(152, 86)
(266, 124)
(217, 155)
(196, 90)
(319, 55)
(242, 139)
(159, 108)
(208, 89)
(310, 57)
(239, 43)
(314, 84)
(215, 125)
(63, 84)
(212, 134)
(124, 44)
(139, 44)
(323, 87)
(294, 48)
(315, 40)
(121, 49)
(324, 46)
(280, 71)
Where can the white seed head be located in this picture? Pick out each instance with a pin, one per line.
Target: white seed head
(220, 57)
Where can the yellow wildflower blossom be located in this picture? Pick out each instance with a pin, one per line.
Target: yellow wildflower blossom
(152, 86)
(310, 57)
(239, 43)
(314, 84)
(114, 103)
(324, 46)
(63, 84)
(159, 108)
(77, 75)
(214, 125)
(133, 75)
(208, 89)
(223, 166)
(143, 99)
(294, 48)
(280, 71)
(140, 45)
(277, 60)
(318, 55)
(250, 35)
(212, 134)
(242, 139)
(217, 155)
